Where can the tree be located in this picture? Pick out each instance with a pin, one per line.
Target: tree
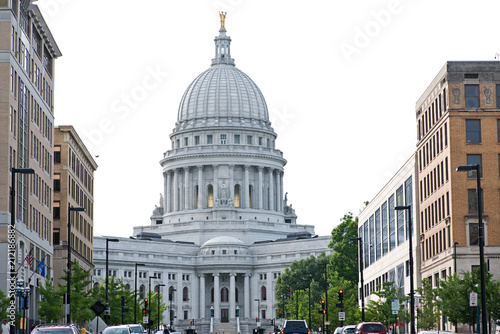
(4, 304)
(81, 299)
(50, 307)
(429, 311)
(381, 309)
(344, 259)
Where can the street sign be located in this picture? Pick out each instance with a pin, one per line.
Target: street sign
(395, 305)
(145, 319)
(327, 323)
(98, 308)
(473, 299)
(341, 316)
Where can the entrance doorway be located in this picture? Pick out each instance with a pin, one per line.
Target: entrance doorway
(224, 315)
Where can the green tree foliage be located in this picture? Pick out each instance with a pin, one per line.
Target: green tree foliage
(344, 259)
(381, 309)
(4, 304)
(81, 297)
(429, 311)
(454, 293)
(50, 307)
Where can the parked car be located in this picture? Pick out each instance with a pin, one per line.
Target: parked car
(137, 328)
(338, 330)
(295, 327)
(370, 328)
(348, 329)
(55, 329)
(122, 329)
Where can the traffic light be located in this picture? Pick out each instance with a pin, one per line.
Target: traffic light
(143, 311)
(145, 303)
(322, 304)
(341, 294)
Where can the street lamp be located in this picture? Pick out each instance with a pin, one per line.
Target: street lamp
(258, 310)
(410, 245)
(68, 265)
(171, 291)
(149, 298)
(477, 168)
(13, 247)
(135, 290)
(107, 314)
(326, 295)
(455, 255)
(159, 285)
(360, 252)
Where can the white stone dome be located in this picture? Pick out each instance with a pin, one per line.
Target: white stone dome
(223, 241)
(222, 96)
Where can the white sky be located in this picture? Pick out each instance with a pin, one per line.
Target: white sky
(345, 119)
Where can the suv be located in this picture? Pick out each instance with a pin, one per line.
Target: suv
(295, 327)
(55, 329)
(370, 328)
(137, 328)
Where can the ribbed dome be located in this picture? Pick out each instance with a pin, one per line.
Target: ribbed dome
(223, 241)
(222, 95)
(223, 91)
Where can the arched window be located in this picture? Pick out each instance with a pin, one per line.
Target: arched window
(250, 193)
(185, 297)
(210, 196)
(263, 293)
(196, 196)
(142, 290)
(157, 288)
(237, 196)
(127, 286)
(224, 295)
(212, 295)
(236, 294)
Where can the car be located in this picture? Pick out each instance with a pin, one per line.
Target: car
(295, 327)
(55, 329)
(338, 330)
(370, 328)
(137, 328)
(348, 329)
(434, 332)
(122, 329)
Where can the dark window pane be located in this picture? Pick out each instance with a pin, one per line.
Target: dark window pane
(474, 159)
(498, 96)
(473, 234)
(471, 96)
(473, 131)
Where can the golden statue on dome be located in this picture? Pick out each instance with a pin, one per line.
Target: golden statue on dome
(222, 16)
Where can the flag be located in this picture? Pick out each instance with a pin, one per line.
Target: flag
(41, 267)
(29, 259)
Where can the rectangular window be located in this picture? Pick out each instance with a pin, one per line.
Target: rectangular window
(378, 250)
(498, 96)
(223, 139)
(473, 131)
(236, 139)
(249, 140)
(474, 159)
(210, 139)
(400, 215)
(186, 141)
(472, 96)
(408, 200)
(57, 154)
(392, 226)
(372, 239)
(473, 234)
(260, 141)
(472, 200)
(366, 244)
(197, 140)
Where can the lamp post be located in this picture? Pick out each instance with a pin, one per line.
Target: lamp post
(258, 311)
(171, 314)
(410, 254)
(68, 264)
(159, 285)
(12, 231)
(360, 252)
(477, 168)
(135, 291)
(309, 280)
(149, 298)
(326, 294)
(107, 314)
(455, 256)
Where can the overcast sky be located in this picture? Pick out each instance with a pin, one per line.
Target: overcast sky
(341, 79)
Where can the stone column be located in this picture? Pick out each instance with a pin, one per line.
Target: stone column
(178, 300)
(186, 189)
(202, 296)
(271, 189)
(201, 199)
(216, 182)
(254, 294)
(246, 191)
(195, 297)
(246, 295)
(168, 193)
(175, 192)
(232, 294)
(281, 191)
(261, 186)
(216, 298)
(231, 183)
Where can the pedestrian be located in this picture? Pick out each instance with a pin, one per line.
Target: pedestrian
(5, 329)
(165, 329)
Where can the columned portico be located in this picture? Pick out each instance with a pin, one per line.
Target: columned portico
(216, 297)
(232, 295)
(202, 296)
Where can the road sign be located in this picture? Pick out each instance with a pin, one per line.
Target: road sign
(327, 323)
(341, 316)
(473, 299)
(145, 319)
(395, 305)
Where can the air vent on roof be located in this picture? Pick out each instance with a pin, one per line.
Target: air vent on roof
(471, 75)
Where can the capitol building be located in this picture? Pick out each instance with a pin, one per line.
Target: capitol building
(223, 230)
